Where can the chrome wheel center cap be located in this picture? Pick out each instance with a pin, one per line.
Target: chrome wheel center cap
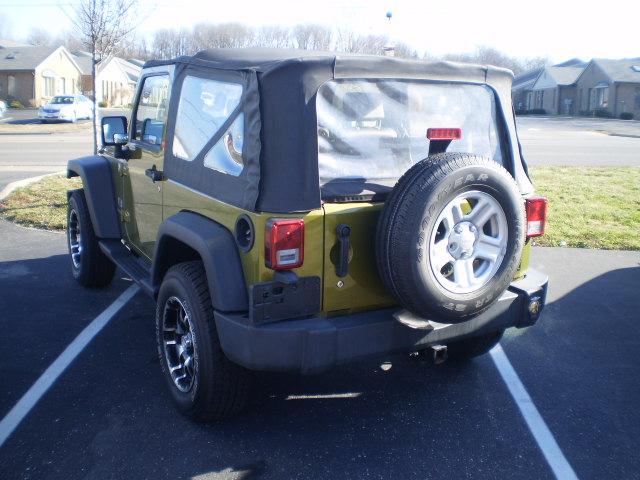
(462, 240)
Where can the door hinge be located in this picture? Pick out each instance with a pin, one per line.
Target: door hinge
(125, 216)
(123, 169)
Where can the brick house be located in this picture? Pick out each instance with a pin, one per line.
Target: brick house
(611, 85)
(32, 75)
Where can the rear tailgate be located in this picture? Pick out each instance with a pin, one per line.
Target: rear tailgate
(361, 288)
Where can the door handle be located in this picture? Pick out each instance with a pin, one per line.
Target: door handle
(344, 244)
(154, 175)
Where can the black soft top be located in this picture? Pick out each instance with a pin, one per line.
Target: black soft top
(281, 164)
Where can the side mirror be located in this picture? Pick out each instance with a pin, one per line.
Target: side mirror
(112, 126)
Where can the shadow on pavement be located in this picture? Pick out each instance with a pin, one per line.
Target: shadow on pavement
(110, 416)
(580, 367)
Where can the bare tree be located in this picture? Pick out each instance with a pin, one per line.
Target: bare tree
(312, 37)
(273, 36)
(40, 37)
(402, 50)
(348, 41)
(103, 25)
(491, 56)
(70, 39)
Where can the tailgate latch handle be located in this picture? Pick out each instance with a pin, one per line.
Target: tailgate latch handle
(343, 232)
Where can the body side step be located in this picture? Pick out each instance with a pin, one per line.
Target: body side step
(130, 264)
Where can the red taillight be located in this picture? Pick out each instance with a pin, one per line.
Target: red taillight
(444, 133)
(536, 208)
(284, 244)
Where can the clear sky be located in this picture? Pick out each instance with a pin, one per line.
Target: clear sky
(559, 29)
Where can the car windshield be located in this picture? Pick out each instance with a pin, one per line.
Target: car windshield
(374, 130)
(61, 100)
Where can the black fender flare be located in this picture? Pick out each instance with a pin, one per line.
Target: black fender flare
(97, 181)
(217, 248)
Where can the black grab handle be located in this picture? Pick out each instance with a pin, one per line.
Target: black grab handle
(344, 232)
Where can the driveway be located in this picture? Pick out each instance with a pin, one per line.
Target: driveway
(109, 415)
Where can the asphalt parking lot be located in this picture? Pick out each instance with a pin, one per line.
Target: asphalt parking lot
(109, 416)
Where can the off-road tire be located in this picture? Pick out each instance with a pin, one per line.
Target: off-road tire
(473, 347)
(221, 387)
(95, 269)
(407, 220)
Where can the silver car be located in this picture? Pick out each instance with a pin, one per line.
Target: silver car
(67, 108)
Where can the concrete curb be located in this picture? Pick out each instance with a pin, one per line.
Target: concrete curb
(6, 191)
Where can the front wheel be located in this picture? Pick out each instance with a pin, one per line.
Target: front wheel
(204, 383)
(89, 265)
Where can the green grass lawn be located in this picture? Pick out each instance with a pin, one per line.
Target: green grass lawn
(589, 207)
(42, 204)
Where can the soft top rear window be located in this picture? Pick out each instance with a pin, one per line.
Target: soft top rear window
(372, 131)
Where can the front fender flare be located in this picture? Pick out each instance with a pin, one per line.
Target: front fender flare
(216, 247)
(97, 181)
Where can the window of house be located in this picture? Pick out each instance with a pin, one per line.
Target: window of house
(205, 105)
(11, 86)
(602, 97)
(49, 86)
(63, 85)
(151, 113)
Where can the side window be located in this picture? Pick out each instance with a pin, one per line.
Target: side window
(226, 155)
(205, 105)
(151, 114)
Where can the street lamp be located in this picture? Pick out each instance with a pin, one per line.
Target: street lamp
(389, 50)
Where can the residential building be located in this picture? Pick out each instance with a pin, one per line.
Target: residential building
(116, 79)
(521, 89)
(610, 85)
(32, 75)
(554, 90)
(547, 88)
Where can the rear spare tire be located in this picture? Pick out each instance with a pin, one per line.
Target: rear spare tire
(450, 236)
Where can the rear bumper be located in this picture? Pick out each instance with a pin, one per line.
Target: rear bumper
(318, 343)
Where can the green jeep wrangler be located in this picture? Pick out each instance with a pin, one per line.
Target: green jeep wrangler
(293, 210)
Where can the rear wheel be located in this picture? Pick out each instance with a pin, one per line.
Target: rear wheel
(204, 383)
(89, 265)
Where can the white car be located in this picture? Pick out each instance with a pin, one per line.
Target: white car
(3, 108)
(66, 107)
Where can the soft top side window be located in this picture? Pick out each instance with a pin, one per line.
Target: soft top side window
(151, 112)
(205, 105)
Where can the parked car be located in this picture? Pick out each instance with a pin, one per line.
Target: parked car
(67, 108)
(3, 108)
(292, 210)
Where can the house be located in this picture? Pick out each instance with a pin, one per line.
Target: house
(611, 86)
(521, 89)
(32, 75)
(554, 90)
(116, 79)
(547, 88)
